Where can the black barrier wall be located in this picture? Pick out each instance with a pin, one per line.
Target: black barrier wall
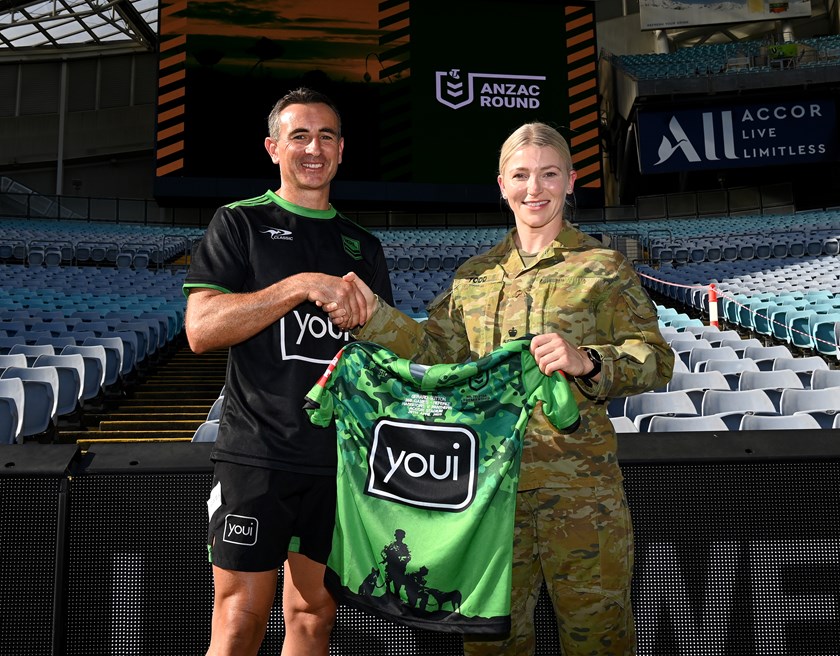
(737, 551)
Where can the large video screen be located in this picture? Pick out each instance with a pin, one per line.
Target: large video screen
(427, 90)
(661, 14)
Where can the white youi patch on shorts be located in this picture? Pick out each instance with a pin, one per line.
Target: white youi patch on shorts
(241, 530)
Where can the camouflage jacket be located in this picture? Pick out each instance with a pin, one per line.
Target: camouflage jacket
(589, 295)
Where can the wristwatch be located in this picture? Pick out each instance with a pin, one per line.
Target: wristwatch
(595, 359)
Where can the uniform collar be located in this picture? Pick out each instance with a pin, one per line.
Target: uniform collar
(568, 239)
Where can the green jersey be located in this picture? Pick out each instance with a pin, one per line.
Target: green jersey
(428, 466)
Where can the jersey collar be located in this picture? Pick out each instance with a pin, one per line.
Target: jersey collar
(301, 211)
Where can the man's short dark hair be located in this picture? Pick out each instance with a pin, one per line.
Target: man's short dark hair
(301, 96)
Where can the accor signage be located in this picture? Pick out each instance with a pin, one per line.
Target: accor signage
(737, 136)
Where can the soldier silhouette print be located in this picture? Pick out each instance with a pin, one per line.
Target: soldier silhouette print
(395, 556)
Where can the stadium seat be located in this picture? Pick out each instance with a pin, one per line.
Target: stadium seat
(731, 369)
(837, 338)
(765, 355)
(822, 329)
(12, 360)
(696, 384)
(803, 367)
(796, 326)
(96, 362)
(698, 357)
(669, 333)
(683, 347)
(661, 424)
(11, 410)
(131, 350)
(32, 351)
(623, 424)
(698, 331)
(641, 407)
(56, 342)
(679, 365)
(114, 357)
(40, 387)
(822, 378)
(740, 345)
(731, 405)
(206, 431)
(778, 422)
(823, 404)
(615, 407)
(71, 376)
(715, 337)
(772, 382)
(215, 411)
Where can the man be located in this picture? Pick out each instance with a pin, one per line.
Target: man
(256, 285)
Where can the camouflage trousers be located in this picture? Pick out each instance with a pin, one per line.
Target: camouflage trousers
(580, 541)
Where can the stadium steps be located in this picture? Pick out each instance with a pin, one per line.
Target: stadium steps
(167, 403)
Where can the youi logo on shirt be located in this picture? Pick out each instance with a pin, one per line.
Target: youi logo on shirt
(423, 465)
(302, 332)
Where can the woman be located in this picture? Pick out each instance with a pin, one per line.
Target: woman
(593, 321)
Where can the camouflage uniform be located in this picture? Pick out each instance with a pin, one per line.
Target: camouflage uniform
(572, 522)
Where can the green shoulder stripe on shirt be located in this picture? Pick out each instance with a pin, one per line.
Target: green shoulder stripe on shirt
(270, 197)
(200, 285)
(265, 199)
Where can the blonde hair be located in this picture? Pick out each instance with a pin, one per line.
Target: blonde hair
(535, 134)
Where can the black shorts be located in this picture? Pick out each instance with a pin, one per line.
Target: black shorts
(258, 515)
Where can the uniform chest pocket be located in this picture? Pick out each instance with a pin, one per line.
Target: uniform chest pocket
(568, 305)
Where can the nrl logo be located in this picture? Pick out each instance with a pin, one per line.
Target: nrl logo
(494, 90)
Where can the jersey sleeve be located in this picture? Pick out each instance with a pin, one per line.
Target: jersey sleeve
(319, 401)
(221, 259)
(381, 281)
(559, 405)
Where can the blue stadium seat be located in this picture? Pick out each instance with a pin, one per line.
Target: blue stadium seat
(96, 362)
(115, 357)
(11, 410)
(71, 376)
(215, 411)
(12, 360)
(40, 387)
(32, 351)
(206, 431)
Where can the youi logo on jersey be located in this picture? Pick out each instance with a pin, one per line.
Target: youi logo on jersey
(423, 465)
(301, 331)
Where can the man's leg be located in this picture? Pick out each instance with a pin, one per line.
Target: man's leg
(308, 608)
(241, 606)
